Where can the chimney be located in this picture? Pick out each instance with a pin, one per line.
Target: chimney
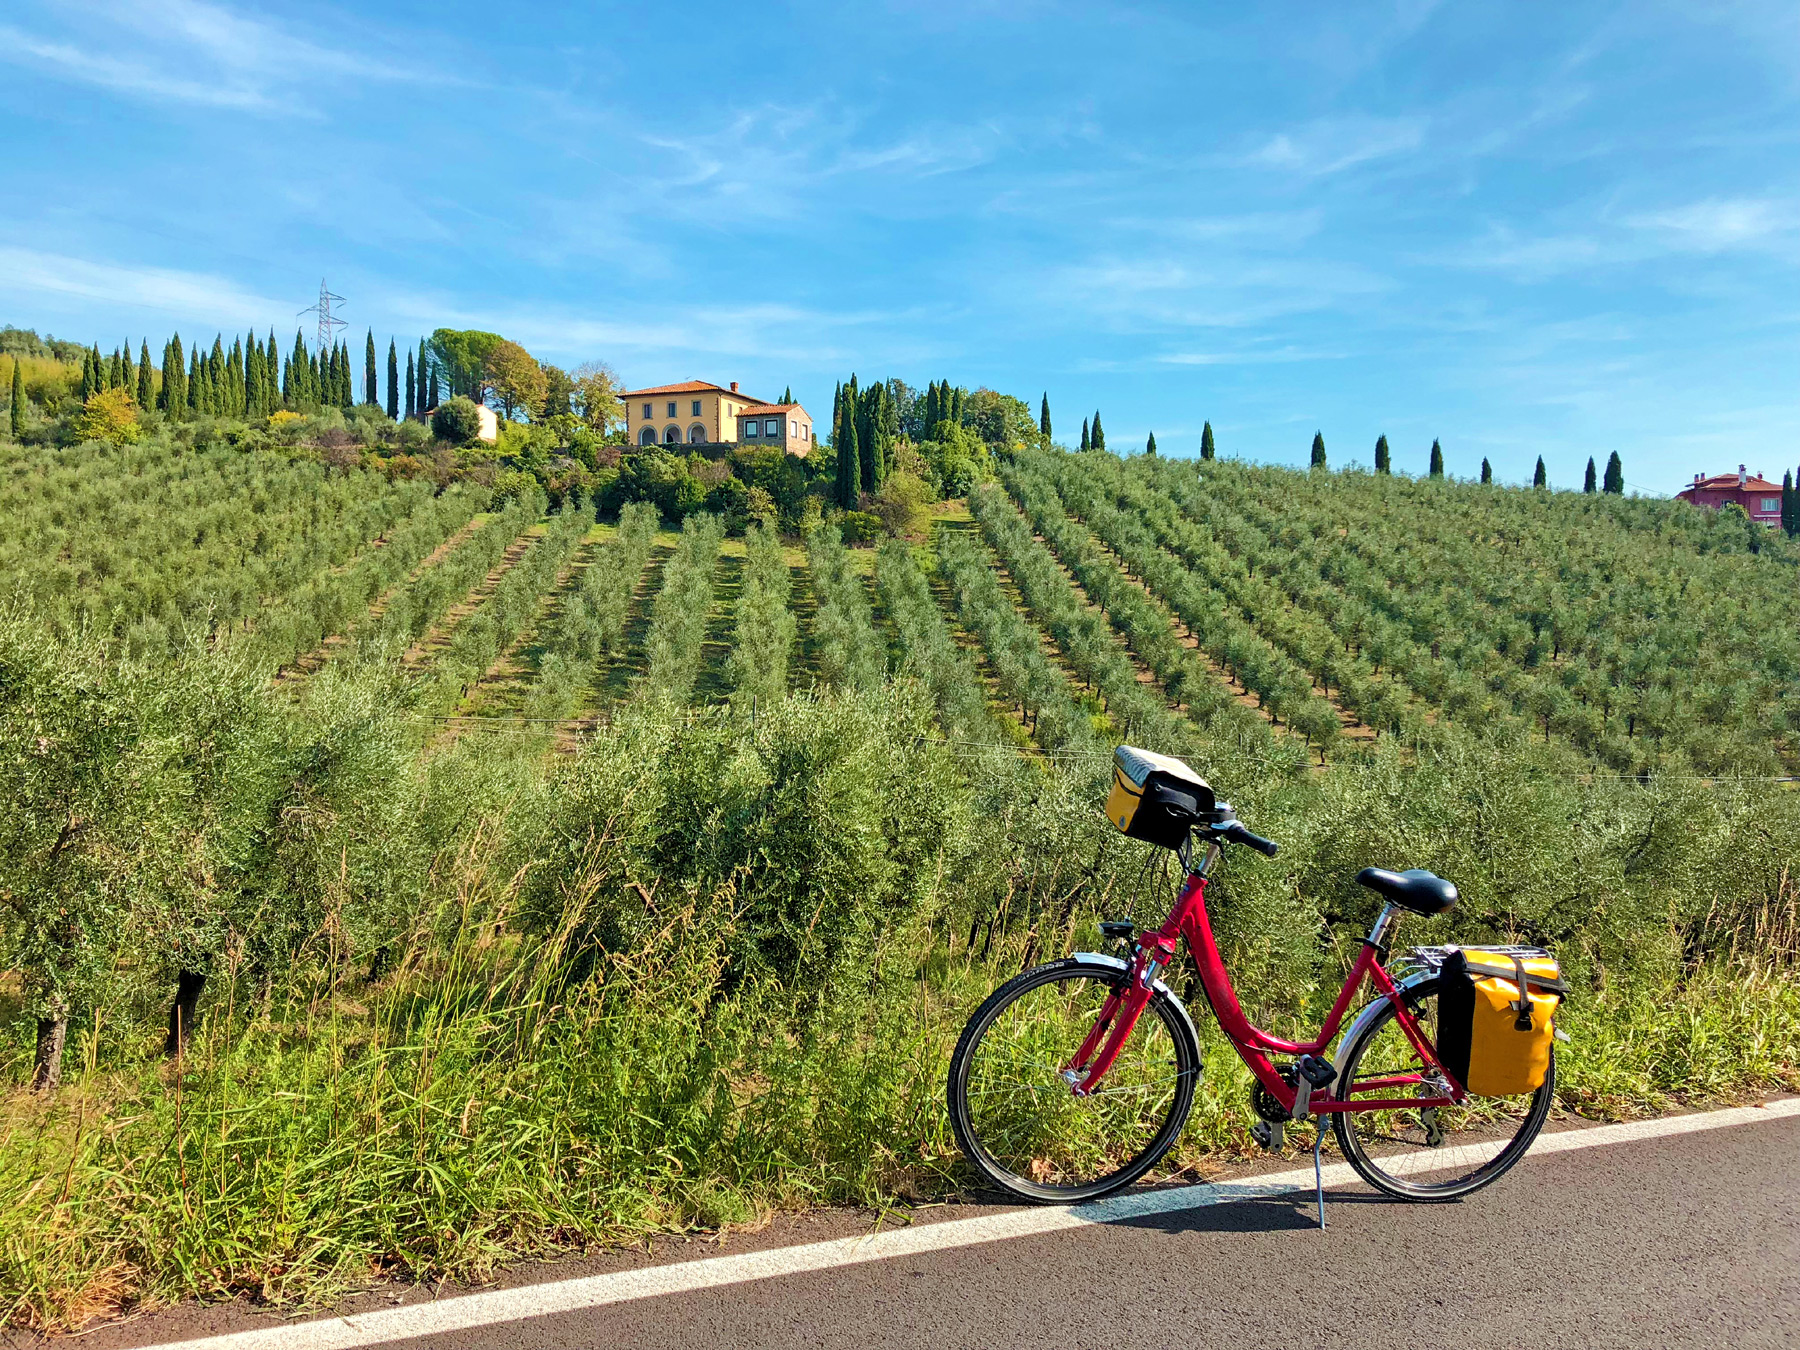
(1743, 477)
(734, 386)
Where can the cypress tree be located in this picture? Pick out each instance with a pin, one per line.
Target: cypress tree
(1487, 471)
(346, 378)
(174, 390)
(412, 403)
(1086, 444)
(1099, 436)
(293, 384)
(1384, 462)
(127, 370)
(371, 384)
(1540, 478)
(427, 381)
(434, 386)
(868, 438)
(1614, 482)
(115, 372)
(1044, 417)
(1318, 450)
(843, 442)
(393, 403)
(272, 358)
(231, 395)
(196, 384)
(1590, 483)
(146, 388)
(1207, 449)
(1150, 445)
(1437, 460)
(90, 380)
(264, 390)
(215, 377)
(1787, 476)
(18, 405)
(787, 395)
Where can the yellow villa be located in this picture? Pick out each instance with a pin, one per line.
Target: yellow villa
(696, 412)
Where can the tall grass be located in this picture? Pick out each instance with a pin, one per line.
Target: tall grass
(714, 965)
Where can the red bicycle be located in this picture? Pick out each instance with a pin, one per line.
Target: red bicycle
(1062, 1089)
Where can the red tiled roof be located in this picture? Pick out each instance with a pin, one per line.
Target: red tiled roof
(769, 408)
(1728, 482)
(688, 387)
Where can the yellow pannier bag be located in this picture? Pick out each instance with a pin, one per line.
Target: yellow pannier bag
(1495, 1011)
(1155, 798)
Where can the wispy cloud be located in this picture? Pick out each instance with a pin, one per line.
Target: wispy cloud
(1246, 357)
(1718, 224)
(185, 51)
(767, 160)
(1331, 145)
(214, 301)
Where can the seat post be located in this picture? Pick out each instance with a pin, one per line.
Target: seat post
(1383, 926)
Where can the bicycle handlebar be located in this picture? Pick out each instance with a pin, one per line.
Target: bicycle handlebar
(1234, 833)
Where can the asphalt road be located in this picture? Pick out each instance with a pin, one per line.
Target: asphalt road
(1680, 1240)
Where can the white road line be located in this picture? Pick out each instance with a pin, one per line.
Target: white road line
(511, 1305)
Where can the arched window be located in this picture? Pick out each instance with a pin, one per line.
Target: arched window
(647, 436)
(672, 436)
(696, 434)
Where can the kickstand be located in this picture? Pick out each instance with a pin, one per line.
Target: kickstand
(1318, 1172)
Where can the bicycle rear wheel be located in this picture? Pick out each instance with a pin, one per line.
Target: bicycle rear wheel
(1430, 1154)
(1018, 1122)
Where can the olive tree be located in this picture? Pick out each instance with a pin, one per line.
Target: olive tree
(70, 782)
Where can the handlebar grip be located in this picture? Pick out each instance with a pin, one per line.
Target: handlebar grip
(1237, 834)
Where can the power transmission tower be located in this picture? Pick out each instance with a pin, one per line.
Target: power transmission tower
(329, 323)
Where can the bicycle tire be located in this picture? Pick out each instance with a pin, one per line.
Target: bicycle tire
(1164, 1011)
(1349, 1132)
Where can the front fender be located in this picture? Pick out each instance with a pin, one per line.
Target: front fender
(1161, 989)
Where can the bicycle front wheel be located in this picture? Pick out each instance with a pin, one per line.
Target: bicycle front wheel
(1017, 1120)
(1436, 1153)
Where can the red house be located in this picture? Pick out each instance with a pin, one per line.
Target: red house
(1760, 498)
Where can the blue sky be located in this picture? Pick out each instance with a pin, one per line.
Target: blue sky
(1527, 228)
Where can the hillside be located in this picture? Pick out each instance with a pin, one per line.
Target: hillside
(425, 820)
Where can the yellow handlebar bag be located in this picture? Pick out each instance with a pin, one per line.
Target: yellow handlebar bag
(1495, 1011)
(1156, 798)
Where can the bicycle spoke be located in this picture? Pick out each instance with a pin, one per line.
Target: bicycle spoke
(1027, 1127)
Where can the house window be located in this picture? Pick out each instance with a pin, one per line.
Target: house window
(671, 407)
(750, 428)
(696, 407)
(772, 427)
(794, 429)
(649, 411)
(1771, 504)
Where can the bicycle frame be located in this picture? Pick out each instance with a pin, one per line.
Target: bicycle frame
(1188, 921)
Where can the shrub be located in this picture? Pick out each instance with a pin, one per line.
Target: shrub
(901, 505)
(109, 416)
(458, 421)
(859, 527)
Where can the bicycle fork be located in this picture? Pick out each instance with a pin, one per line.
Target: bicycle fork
(1118, 1018)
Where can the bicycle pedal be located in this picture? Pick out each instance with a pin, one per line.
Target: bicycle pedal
(1268, 1134)
(1317, 1071)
